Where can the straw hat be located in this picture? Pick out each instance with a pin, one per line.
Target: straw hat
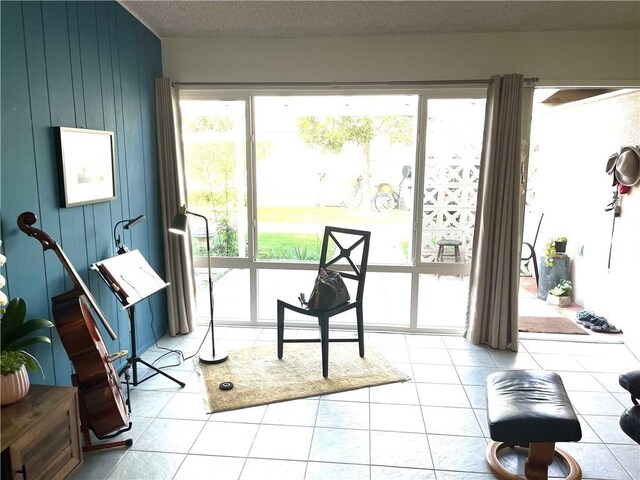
(627, 169)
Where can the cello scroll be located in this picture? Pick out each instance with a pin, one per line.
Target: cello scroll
(25, 223)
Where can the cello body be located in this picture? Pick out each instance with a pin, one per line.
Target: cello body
(97, 381)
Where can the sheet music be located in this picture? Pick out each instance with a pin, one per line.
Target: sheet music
(130, 277)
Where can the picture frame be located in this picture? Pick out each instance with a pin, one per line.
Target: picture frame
(87, 166)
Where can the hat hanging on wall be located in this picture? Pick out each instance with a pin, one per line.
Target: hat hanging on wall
(611, 167)
(627, 169)
(611, 163)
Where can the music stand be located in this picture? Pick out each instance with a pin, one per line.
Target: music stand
(132, 279)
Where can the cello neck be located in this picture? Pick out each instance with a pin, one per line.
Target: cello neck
(25, 223)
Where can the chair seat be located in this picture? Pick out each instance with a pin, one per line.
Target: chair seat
(447, 242)
(314, 313)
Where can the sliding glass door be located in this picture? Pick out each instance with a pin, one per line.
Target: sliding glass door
(270, 170)
(454, 128)
(214, 141)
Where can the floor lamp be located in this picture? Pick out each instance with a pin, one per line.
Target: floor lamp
(179, 226)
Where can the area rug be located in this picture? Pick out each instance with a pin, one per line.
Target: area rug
(550, 325)
(259, 377)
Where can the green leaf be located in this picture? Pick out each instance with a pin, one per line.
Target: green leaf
(12, 319)
(24, 330)
(32, 363)
(26, 341)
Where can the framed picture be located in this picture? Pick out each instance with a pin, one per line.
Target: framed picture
(87, 165)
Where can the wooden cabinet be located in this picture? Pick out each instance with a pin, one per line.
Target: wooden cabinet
(41, 434)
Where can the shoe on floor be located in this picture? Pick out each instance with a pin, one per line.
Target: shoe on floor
(605, 327)
(597, 322)
(584, 314)
(588, 319)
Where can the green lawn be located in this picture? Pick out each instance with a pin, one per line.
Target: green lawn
(289, 246)
(353, 217)
(285, 245)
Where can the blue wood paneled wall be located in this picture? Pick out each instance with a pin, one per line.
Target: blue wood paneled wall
(90, 65)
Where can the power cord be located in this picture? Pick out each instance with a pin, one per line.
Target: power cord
(169, 351)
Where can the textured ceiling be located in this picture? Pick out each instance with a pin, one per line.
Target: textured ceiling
(287, 19)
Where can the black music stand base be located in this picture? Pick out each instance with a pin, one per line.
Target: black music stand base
(212, 359)
(134, 359)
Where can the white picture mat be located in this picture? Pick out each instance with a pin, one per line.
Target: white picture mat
(87, 165)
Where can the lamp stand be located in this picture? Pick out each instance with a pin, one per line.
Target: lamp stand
(221, 356)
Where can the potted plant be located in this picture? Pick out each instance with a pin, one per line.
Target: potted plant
(561, 294)
(554, 246)
(16, 333)
(561, 244)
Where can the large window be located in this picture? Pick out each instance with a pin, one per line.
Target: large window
(334, 160)
(271, 170)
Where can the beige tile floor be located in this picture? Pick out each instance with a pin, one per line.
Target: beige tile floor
(432, 427)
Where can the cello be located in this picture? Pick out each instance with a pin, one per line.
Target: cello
(102, 402)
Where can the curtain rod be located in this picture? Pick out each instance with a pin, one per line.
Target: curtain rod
(342, 84)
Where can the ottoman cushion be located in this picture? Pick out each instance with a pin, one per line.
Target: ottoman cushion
(530, 406)
(630, 422)
(630, 381)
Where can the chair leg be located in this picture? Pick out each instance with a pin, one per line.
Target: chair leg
(360, 322)
(280, 328)
(535, 268)
(324, 341)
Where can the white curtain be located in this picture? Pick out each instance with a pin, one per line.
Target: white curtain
(492, 313)
(177, 248)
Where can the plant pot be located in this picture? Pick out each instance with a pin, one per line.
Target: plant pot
(561, 247)
(14, 387)
(559, 301)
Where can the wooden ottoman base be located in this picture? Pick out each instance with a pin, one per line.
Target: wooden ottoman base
(537, 463)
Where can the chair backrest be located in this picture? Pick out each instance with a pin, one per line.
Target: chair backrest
(531, 246)
(535, 239)
(348, 249)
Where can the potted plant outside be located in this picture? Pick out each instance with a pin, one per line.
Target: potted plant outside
(552, 248)
(16, 333)
(560, 295)
(561, 244)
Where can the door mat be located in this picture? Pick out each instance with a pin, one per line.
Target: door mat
(550, 325)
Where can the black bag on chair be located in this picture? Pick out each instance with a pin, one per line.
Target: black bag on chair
(329, 291)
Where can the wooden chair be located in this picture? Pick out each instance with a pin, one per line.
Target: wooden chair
(354, 259)
(531, 255)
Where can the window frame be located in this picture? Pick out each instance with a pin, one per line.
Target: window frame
(415, 266)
